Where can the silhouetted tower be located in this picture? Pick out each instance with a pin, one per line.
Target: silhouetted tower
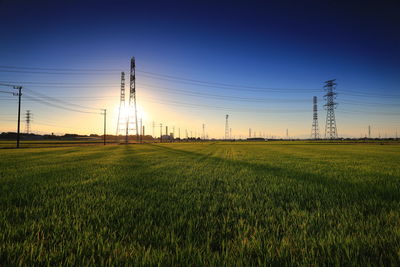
(204, 132)
(330, 96)
(121, 123)
(315, 129)
(369, 131)
(249, 132)
(141, 128)
(226, 127)
(28, 117)
(132, 121)
(287, 133)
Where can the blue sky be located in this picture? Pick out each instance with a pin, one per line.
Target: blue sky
(288, 46)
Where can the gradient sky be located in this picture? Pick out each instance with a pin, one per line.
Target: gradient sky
(285, 50)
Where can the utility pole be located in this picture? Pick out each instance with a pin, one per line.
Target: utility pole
(28, 121)
(287, 133)
(179, 131)
(249, 132)
(19, 88)
(143, 132)
(105, 125)
(330, 126)
(315, 129)
(204, 133)
(154, 135)
(369, 131)
(230, 133)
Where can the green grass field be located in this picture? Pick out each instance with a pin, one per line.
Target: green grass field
(201, 204)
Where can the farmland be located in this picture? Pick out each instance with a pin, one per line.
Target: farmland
(201, 204)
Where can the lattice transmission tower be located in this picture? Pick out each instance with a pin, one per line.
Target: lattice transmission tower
(226, 127)
(28, 119)
(132, 120)
(121, 124)
(330, 96)
(315, 128)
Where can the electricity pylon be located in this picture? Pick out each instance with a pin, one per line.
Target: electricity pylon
(330, 96)
(315, 129)
(132, 120)
(121, 124)
(226, 127)
(28, 119)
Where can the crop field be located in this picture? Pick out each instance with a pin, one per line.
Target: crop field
(201, 204)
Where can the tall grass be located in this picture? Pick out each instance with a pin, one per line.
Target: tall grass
(201, 204)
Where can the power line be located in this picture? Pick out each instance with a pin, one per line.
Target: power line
(170, 77)
(56, 73)
(176, 103)
(146, 73)
(56, 83)
(54, 69)
(6, 92)
(237, 88)
(59, 101)
(89, 71)
(57, 106)
(221, 97)
(370, 95)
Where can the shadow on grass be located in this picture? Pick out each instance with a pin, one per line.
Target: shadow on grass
(363, 190)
